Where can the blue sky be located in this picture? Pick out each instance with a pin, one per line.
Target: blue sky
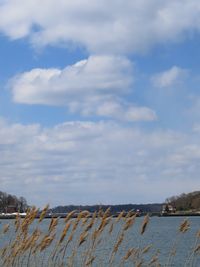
(99, 102)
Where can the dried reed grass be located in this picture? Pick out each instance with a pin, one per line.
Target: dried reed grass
(82, 241)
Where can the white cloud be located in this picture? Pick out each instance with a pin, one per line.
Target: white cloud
(122, 26)
(169, 78)
(75, 162)
(125, 113)
(140, 114)
(95, 86)
(121, 111)
(96, 77)
(79, 162)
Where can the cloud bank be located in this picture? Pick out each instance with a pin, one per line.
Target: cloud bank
(112, 27)
(97, 160)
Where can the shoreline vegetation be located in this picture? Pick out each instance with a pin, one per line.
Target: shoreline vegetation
(182, 205)
(11, 216)
(81, 240)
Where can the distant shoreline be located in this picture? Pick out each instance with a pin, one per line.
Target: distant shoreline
(63, 215)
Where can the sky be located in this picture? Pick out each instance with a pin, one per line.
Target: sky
(99, 100)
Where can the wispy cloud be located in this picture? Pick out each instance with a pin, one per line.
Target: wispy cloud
(88, 158)
(124, 112)
(170, 77)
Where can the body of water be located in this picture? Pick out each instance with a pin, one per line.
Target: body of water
(166, 244)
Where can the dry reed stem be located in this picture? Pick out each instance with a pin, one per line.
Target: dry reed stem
(100, 213)
(27, 243)
(128, 254)
(33, 215)
(129, 222)
(146, 249)
(82, 238)
(3, 251)
(95, 234)
(43, 213)
(191, 256)
(84, 214)
(64, 232)
(84, 221)
(184, 226)
(197, 249)
(106, 213)
(15, 243)
(53, 224)
(36, 235)
(198, 234)
(46, 242)
(135, 254)
(118, 243)
(70, 215)
(70, 238)
(153, 260)
(90, 261)
(144, 224)
(105, 221)
(75, 224)
(6, 228)
(139, 263)
(17, 222)
(91, 223)
(129, 214)
(28, 220)
(120, 216)
(173, 249)
(111, 228)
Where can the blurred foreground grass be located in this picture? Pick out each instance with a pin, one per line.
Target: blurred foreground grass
(95, 239)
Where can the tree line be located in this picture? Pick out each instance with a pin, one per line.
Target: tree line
(113, 208)
(11, 203)
(190, 201)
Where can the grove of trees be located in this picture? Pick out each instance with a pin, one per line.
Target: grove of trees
(190, 201)
(156, 207)
(8, 201)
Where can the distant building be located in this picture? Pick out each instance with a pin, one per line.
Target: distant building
(11, 209)
(168, 208)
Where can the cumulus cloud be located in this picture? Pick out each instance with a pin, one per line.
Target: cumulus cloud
(114, 26)
(95, 77)
(84, 160)
(95, 86)
(127, 113)
(169, 78)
